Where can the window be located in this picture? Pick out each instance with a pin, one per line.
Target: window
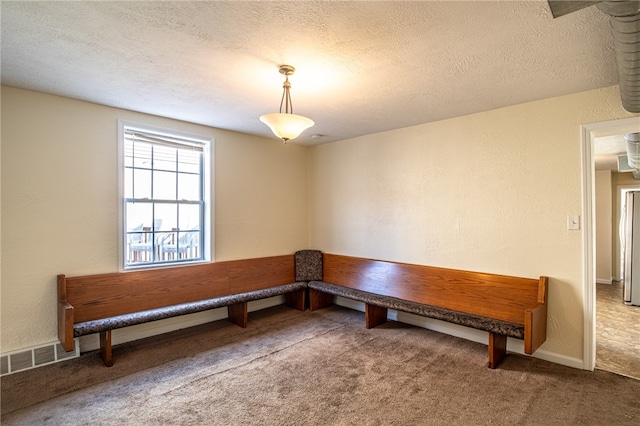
(165, 195)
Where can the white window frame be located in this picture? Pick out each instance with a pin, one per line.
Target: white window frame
(208, 193)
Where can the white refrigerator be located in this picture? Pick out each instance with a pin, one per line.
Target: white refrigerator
(630, 236)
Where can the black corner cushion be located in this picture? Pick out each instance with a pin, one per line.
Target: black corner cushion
(308, 265)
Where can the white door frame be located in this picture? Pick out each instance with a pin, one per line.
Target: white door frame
(588, 132)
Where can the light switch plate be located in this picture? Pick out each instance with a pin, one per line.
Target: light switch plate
(573, 222)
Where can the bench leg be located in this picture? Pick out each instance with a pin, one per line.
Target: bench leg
(319, 300)
(105, 348)
(296, 300)
(374, 315)
(238, 314)
(497, 349)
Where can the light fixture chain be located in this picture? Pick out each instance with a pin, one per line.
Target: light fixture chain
(284, 96)
(289, 103)
(286, 125)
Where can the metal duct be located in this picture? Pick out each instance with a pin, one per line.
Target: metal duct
(624, 17)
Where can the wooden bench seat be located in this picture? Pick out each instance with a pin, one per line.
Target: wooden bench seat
(101, 303)
(387, 302)
(126, 320)
(502, 305)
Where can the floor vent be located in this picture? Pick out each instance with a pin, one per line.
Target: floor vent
(26, 359)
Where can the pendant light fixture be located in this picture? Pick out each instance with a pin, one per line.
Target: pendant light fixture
(286, 125)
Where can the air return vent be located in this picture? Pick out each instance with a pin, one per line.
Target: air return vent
(37, 356)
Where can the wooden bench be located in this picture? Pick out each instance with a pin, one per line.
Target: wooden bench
(101, 303)
(504, 306)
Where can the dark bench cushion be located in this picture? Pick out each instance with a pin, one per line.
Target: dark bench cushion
(308, 265)
(120, 321)
(461, 318)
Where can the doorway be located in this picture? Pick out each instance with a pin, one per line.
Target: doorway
(604, 314)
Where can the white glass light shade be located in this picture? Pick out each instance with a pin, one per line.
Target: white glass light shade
(286, 126)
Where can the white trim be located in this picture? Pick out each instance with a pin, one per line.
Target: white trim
(587, 134)
(588, 241)
(560, 359)
(603, 281)
(120, 193)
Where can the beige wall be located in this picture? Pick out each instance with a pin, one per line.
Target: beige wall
(485, 192)
(603, 203)
(59, 201)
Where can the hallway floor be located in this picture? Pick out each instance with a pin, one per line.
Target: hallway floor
(617, 332)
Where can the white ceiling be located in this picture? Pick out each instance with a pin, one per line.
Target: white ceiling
(362, 67)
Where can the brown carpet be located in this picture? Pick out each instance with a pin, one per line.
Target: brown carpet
(314, 368)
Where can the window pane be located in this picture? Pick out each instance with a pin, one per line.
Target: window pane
(195, 243)
(163, 239)
(164, 185)
(189, 217)
(164, 158)
(128, 153)
(188, 245)
(167, 215)
(139, 215)
(189, 161)
(181, 246)
(128, 183)
(142, 155)
(141, 183)
(188, 187)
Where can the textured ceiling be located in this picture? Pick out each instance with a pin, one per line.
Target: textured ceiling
(361, 67)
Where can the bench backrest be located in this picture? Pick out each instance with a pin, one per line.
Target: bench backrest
(495, 296)
(106, 295)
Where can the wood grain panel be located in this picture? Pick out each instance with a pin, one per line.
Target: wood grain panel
(65, 326)
(106, 295)
(296, 300)
(238, 313)
(257, 274)
(374, 315)
(497, 349)
(535, 324)
(106, 352)
(65, 316)
(319, 300)
(490, 295)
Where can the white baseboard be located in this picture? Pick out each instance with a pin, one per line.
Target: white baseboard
(604, 281)
(478, 336)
